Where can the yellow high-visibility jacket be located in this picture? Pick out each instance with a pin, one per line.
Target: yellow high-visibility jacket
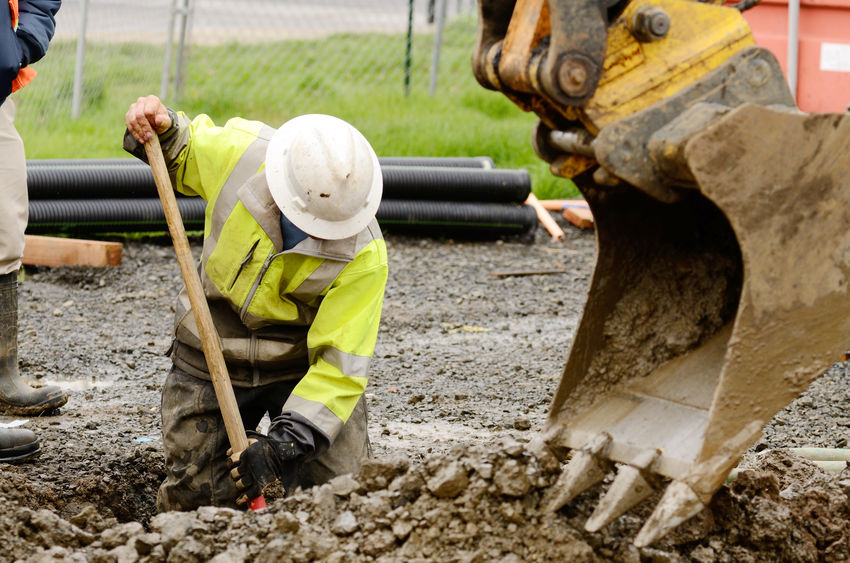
(311, 312)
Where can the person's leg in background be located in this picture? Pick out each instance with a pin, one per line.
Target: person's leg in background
(16, 396)
(13, 182)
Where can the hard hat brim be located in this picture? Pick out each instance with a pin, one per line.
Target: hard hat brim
(284, 194)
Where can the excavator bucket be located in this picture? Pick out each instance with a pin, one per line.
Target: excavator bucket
(721, 285)
(707, 316)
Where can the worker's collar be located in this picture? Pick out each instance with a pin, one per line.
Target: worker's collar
(292, 235)
(257, 199)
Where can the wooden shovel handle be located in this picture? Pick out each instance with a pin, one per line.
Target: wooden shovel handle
(209, 336)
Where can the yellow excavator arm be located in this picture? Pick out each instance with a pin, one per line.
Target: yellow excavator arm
(720, 290)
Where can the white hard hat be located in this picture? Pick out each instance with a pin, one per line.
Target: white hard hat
(324, 176)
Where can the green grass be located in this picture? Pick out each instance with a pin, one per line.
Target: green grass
(357, 78)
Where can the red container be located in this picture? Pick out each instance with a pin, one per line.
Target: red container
(823, 73)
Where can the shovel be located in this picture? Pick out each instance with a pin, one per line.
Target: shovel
(209, 337)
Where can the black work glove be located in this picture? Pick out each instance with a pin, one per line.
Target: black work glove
(263, 462)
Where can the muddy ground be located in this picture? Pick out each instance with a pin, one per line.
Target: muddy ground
(466, 364)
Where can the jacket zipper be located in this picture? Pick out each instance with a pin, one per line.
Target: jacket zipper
(243, 264)
(244, 311)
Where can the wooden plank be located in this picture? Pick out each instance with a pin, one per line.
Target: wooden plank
(558, 204)
(543, 215)
(55, 251)
(579, 215)
(576, 211)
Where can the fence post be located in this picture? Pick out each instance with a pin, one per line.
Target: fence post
(408, 54)
(79, 67)
(165, 80)
(438, 42)
(180, 69)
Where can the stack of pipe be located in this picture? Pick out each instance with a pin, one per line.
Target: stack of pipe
(461, 196)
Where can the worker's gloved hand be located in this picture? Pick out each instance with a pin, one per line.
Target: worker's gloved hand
(264, 461)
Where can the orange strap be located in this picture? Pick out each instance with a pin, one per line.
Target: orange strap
(13, 5)
(26, 74)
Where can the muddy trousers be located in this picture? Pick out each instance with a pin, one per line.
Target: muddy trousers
(195, 442)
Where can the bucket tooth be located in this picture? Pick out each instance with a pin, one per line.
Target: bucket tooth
(554, 440)
(678, 504)
(582, 472)
(632, 485)
(585, 469)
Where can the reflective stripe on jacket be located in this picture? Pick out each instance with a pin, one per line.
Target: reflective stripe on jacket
(311, 311)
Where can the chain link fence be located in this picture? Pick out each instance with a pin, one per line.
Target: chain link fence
(176, 48)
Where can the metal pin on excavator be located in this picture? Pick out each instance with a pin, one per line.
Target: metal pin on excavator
(721, 285)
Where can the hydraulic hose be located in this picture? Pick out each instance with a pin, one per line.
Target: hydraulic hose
(118, 181)
(146, 215)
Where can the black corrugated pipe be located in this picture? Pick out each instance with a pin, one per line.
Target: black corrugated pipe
(49, 162)
(90, 181)
(400, 182)
(456, 184)
(403, 216)
(468, 219)
(441, 161)
(109, 215)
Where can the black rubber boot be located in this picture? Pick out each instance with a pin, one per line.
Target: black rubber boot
(17, 445)
(16, 397)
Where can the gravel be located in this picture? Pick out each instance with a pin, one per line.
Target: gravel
(470, 351)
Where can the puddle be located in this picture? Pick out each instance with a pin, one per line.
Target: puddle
(14, 423)
(71, 384)
(442, 435)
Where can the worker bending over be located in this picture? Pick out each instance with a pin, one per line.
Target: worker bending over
(294, 268)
